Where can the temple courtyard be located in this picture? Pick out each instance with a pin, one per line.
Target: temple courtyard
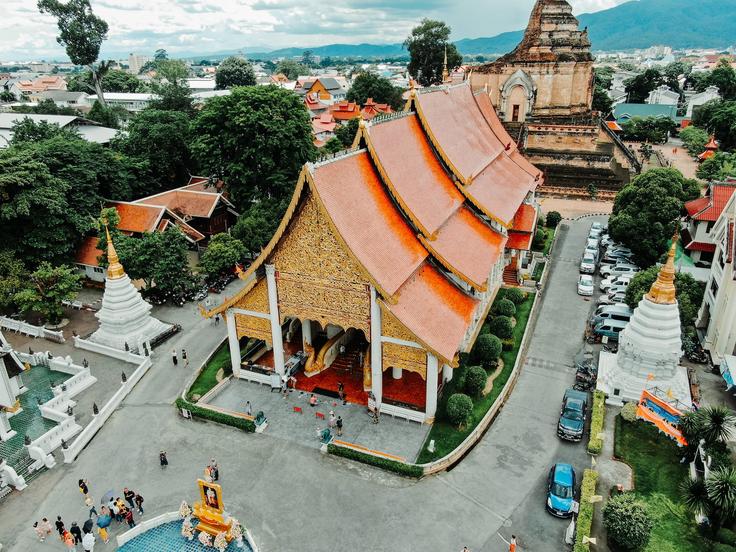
(293, 498)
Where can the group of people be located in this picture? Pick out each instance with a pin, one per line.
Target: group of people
(184, 357)
(70, 537)
(212, 472)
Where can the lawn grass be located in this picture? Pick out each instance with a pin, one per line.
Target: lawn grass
(207, 378)
(538, 271)
(658, 473)
(446, 436)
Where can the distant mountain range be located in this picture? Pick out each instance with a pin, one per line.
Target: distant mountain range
(636, 24)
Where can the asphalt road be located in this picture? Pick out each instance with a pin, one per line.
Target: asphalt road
(292, 498)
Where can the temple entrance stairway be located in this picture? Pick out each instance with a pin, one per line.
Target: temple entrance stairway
(511, 276)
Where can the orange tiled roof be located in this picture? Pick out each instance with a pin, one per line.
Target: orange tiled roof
(614, 126)
(371, 109)
(184, 202)
(137, 218)
(710, 207)
(368, 220)
(519, 240)
(344, 111)
(525, 218)
(498, 189)
(87, 252)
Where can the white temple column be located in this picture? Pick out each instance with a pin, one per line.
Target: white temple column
(306, 333)
(446, 373)
(431, 404)
(234, 342)
(396, 372)
(376, 349)
(273, 309)
(6, 432)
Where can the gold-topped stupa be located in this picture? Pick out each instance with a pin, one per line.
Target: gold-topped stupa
(663, 290)
(114, 268)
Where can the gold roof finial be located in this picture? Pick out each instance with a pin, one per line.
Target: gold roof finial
(114, 268)
(663, 289)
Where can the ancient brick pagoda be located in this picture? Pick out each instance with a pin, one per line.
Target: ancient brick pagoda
(543, 91)
(389, 256)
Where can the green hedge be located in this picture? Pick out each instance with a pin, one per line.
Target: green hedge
(218, 417)
(595, 444)
(409, 470)
(585, 514)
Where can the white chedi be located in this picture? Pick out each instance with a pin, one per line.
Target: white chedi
(220, 541)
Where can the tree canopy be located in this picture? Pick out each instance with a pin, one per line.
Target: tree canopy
(719, 167)
(603, 81)
(646, 210)
(48, 287)
(256, 139)
(719, 118)
(427, 45)
(369, 85)
(346, 132)
(222, 254)
(654, 130)
(114, 80)
(46, 107)
(255, 227)
(28, 130)
(291, 69)
(694, 139)
(234, 71)
(639, 87)
(722, 76)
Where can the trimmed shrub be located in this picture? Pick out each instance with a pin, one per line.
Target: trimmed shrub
(552, 219)
(539, 236)
(409, 470)
(486, 350)
(585, 514)
(628, 411)
(217, 417)
(459, 407)
(501, 326)
(627, 521)
(504, 307)
(515, 295)
(507, 344)
(595, 444)
(726, 536)
(475, 380)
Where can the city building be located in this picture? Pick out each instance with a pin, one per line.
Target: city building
(136, 63)
(663, 95)
(63, 98)
(328, 89)
(696, 100)
(703, 213)
(626, 111)
(23, 89)
(388, 257)
(130, 101)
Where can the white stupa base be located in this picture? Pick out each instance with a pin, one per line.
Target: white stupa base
(622, 386)
(135, 341)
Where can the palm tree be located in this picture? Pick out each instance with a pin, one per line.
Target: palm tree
(695, 496)
(721, 487)
(717, 423)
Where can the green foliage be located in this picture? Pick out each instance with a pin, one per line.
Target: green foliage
(346, 133)
(28, 130)
(721, 547)
(722, 76)
(719, 167)
(504, 307)
(80, 31)
(639, 87)
(45, 107)
(114, 80)
(255, 227)
(585, 514)
(291, 69)
(234, 71)
(501, 326)
(694, 140)
(369, 85)
(279, 142)
(552, 219)
(13, 278)
(595, 444)
(627, 521)
(628, 412)
(459, 408)
(333, 145)
(487, 350)
(221, 255)
(207, 378)
(106, 116)
(539, 238)
(721, 487)
(645, 212)
(428, 44)
(726, 536)
(655, 130)
(401, 468)
(218, 417)
(172, 97)
(48, 286)
(514, 295)
(717, 117)
(689, 292)
(475, 380)
(603, 82)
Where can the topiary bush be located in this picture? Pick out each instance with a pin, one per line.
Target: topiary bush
(409, 470)
(515, 295)
(585, 513)
(501, 326)
(504, 307)
(628, 411)
(595, 444)
(459, 407)
(726, 536)
(553, 219)
(475, 381)
(628, 523)
(487, 349)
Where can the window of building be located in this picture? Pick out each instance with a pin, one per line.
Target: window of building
(515, 113)
(98, 269)
(721, 260)
(709, 226)
(714, 288)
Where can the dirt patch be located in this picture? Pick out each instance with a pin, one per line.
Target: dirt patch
(220, 375)
(489, 382)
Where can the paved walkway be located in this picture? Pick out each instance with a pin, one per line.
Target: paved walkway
(392, 435)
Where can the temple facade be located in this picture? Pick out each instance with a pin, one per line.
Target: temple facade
(543, 92)
(389, 256)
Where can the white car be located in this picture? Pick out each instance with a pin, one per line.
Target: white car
(587, 265)
(615, 280)
(619, 269)
(606, 240)
(585, 285)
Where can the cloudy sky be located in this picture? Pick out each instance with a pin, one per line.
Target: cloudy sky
(201, 26)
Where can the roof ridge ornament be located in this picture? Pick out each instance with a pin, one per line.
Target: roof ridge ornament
(115, 270)
(663, 289)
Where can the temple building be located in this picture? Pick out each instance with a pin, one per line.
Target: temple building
(389, 256)
(650, 347)
(543, 92)
(125, 318)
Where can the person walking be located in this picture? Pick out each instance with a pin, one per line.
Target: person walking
(512, 544)
(85, 363)
(129, 518)
(76, 533)
(45, 526)
(129, 496)
(90, 503)
(68, 539)
(338, 424)
(60, 527)
(83, 487)
(40, 533)
(174, 358)
(332, 420)
(214, 471)
(248, 408)
(185, 357)
(217, 320)
(139, 503)
(88, 542)
(163, 460)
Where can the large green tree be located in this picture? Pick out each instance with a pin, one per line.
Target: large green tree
(234, 71)
(603, 81)
(256, 139)
(255, 227)
(114, 80)
(369, 85)
(170, 87)
(81, 32)
(639, 87)
(719, 118)
(645, 212)
(655, 130)
(28, 130)
(719, 167)
(346, 133)
(13, 278)
(694, 139)
(222, 254)
(724, 77)
(45, 107)
(291, 69)
(48, 287)
(427, 44)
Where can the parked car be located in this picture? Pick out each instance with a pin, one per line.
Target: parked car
(612, 298)
(618, 311)
(587, 264)
(606, 283)
(561, 490)
(606, 241)
(592, 243)
(618, 269)
(609, 328)
(617, 288)
(585, 285)
(572, 415)
(594, 252)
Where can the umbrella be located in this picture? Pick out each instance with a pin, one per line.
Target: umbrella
(109, 495)
(103, 520)
(88, 526)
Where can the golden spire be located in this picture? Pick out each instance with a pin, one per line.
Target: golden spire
(114, 268)
(663, 290)
(445, 72)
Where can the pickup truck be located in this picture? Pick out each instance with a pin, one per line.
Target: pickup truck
(572, 415)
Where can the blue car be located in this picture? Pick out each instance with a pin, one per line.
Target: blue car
(561, 490)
